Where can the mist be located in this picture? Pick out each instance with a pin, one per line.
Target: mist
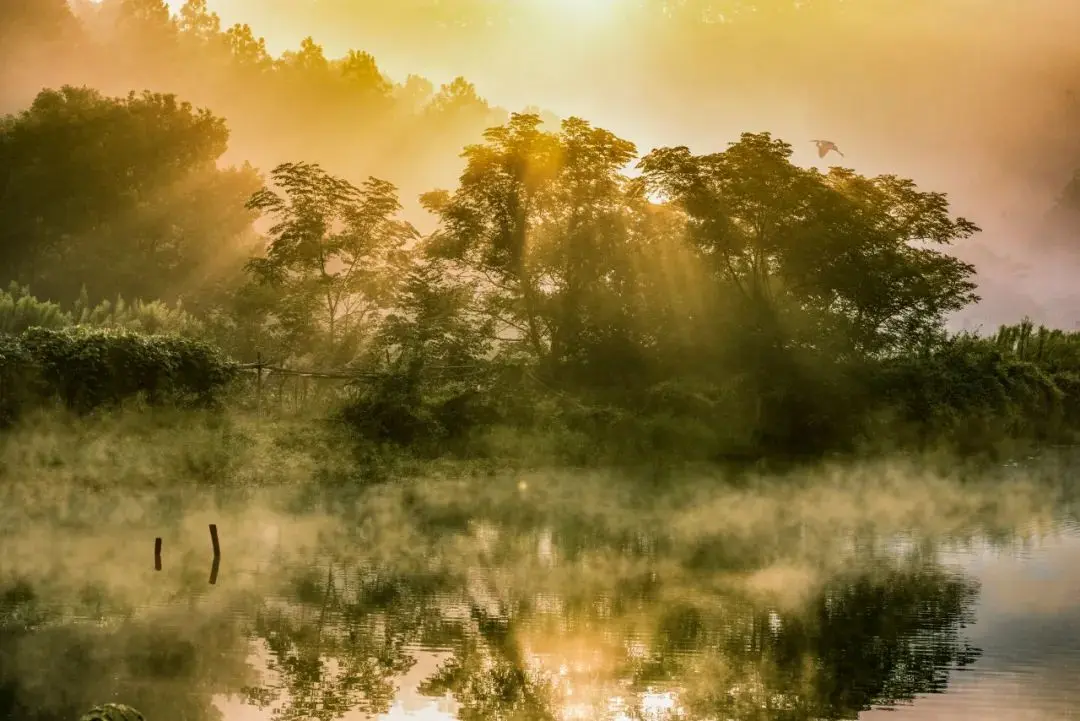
(975, 99)
(630, 445)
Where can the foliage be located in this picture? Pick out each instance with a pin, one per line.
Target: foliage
(542, 222)
(972, 393)
(87, 368)
(19, 311)
(20, 381)
(16, 369)
(333, 254)
(770, 289)
(851, 254)
(431, 355)
(344, 112)
(122, 192)
(714, 305)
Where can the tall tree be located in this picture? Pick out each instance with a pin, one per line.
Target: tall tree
(34, 21)
(333, 254)
(856, 252)
(488, 223)
(545, 219)
(196, 20)
(248, 51)
(146, 33)
(362, 73)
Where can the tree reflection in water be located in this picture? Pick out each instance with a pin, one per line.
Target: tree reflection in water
(536, 625)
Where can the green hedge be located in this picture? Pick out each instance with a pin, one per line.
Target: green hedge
(88, 368)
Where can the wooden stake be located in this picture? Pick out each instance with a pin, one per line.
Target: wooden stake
(217, 553)
(157, 554)
(258, 383)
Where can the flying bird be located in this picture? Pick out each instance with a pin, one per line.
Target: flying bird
(824, 146)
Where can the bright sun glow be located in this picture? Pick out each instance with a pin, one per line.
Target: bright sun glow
(580, 10)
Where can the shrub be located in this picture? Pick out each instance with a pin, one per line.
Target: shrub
(88, 368)
(17, 380)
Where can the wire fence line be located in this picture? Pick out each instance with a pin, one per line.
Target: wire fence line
(261, 365)
(337, 375)
(307, 385)
(269, 368)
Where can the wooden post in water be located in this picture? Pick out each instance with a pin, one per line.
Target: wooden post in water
(217, 553)
(157, 554)
(258, 383)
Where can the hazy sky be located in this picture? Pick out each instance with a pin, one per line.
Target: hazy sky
(967, 96)
(946, 76)
(949, 92)
(971, 97)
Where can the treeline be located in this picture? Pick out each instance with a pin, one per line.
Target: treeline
(344, 112)
(576, 298)
(165, 197)
(727, 304)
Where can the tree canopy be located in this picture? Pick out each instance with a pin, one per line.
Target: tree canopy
(123, 195)
(556, 266)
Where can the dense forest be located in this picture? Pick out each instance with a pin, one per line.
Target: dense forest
(567, 291)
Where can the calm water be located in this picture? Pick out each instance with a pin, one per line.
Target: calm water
(535, 598)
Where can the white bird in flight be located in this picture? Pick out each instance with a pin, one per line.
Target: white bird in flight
(824, 146)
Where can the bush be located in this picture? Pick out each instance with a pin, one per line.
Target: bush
(394, 408)
(971, 396)
(88, 368)
(17, 380)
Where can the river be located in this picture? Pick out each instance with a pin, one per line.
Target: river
(877, 594)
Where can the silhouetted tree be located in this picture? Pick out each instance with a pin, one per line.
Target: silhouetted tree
(332, 254)
(120, 194)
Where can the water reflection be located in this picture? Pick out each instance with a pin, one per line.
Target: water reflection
(413, 605)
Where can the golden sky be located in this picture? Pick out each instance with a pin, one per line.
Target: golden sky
(976, 98)
(891, 85)
(970, 97)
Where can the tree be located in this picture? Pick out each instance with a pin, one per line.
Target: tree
(415, 93)
(198, 21)
(333, 252)
(248, 51)
(457, 111)
(486, 225)
(459, 94)
(813, 277)
(121, 194)
(431, 356)
(38, 39)
(432, 322)
(845, 253)
(310, 58)
(362, 72)
(590, 222)
(146, 33)
(37, 21)
(543, 220)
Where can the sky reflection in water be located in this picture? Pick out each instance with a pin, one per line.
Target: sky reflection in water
(413, 603)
